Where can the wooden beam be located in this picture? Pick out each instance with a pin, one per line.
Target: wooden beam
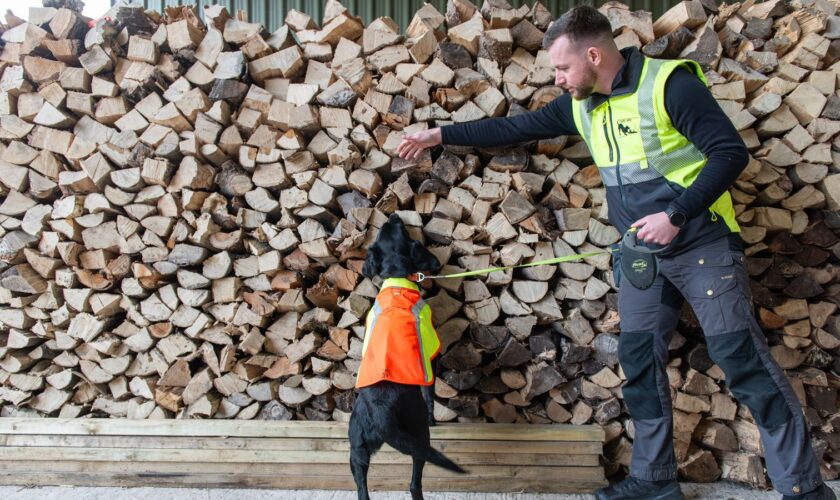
(487, 431)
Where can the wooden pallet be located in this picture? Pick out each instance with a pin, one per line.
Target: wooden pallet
(289, 455)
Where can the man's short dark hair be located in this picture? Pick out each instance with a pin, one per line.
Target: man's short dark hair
(580, 24)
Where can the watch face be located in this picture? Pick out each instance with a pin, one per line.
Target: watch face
(677, 219)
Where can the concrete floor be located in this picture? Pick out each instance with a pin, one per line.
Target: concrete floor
(717, 491)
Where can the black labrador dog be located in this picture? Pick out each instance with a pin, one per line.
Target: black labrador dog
(390, 412)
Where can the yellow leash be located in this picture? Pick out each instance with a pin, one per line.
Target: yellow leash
(556, 260)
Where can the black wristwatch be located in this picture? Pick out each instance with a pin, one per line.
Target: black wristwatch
(677, 218)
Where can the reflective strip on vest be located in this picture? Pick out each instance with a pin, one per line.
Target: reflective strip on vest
(416, 312)
(631, 173)
(687, 156)
(375, 311)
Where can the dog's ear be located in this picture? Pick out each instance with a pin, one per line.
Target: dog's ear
(422, 258)
(373, 261)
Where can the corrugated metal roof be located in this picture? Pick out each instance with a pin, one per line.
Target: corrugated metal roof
(272, 12)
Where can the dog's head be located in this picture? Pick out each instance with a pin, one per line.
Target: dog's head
(395, 254)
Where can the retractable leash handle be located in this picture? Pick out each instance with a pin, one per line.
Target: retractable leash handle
(631, 241)
(639, 263)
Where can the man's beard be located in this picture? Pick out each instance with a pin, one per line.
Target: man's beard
(587, 88)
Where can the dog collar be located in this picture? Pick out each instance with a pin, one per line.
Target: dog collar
(400, 283)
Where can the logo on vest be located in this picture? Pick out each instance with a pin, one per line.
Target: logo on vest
(627, 126)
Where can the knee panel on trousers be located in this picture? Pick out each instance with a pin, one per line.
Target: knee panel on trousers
(635, 352)
(748, 378)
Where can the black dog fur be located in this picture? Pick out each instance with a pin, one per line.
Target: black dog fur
(388, 412)
(395, 254)
(395, 414)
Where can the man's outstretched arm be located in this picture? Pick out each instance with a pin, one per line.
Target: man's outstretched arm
(550, 121)
(553, 119)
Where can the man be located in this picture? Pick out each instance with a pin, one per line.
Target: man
(667, 155)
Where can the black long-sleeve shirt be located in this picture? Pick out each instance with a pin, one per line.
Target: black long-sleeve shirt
(693, 111)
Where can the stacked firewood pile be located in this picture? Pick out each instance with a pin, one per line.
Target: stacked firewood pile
(187, 199)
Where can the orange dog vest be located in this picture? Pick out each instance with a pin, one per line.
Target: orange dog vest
(400, 341)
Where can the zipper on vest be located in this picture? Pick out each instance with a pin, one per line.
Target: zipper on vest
(607, 134)
(617, 155)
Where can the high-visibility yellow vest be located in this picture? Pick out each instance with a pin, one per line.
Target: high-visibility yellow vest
(632, 140)
(400, 341)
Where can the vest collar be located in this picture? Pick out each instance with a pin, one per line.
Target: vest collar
(626, 80)
(399, 283)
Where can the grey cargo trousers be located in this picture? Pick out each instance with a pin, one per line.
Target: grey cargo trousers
(714, 280)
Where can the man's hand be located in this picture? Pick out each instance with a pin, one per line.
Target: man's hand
(656, 228)
(414, 144)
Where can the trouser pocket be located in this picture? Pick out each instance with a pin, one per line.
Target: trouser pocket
(718, 295)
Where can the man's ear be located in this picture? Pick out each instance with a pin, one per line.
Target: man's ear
(373, 261)
(422, 258)
(594, 56)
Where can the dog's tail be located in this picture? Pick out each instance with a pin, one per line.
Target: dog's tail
(403, 442)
